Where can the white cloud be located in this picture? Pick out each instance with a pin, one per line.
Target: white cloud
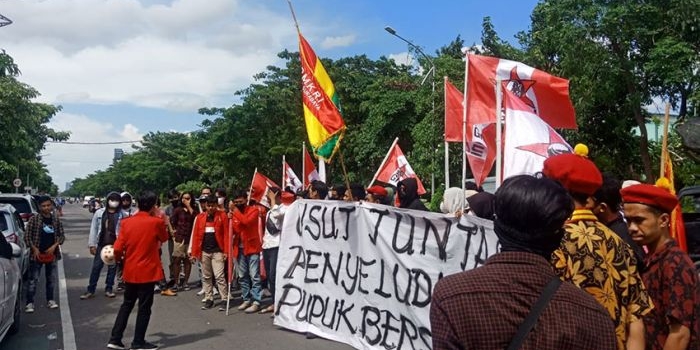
(69, 161)
(404, 58)
(337, 41)
(179, 56)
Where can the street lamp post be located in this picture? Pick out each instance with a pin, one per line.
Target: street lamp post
(431, 73)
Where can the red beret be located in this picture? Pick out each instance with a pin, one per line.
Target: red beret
(651, 195)
(574, 171)
(377, 190)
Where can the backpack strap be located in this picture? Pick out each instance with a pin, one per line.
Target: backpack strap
(531, 319)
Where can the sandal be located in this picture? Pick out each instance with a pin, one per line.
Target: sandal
(270, 308)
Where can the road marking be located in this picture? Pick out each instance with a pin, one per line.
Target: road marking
(66, 319)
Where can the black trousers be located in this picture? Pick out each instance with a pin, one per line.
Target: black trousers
(143, 292)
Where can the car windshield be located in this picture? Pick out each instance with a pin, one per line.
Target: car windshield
(4, 219)
(20, 204)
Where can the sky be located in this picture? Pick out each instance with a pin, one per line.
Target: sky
(123, 68)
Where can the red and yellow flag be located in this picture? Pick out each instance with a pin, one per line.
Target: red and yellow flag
(677, 225)
(322, 112)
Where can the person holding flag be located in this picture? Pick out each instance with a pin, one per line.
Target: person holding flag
(247, 247)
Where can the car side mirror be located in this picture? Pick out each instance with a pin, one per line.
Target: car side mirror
(16, 250)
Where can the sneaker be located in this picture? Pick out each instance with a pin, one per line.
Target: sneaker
(87, 295)
(253, 308)
(144, 346)
(168, 292)
(120, 287)
(208, 305)
(52, 304)
(200, 293)
(116, 345)
(156, 289)
(244, 305)
(110, 294)
(29, 308)
(270, 308)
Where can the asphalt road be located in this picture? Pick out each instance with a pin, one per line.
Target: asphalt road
(176, 322)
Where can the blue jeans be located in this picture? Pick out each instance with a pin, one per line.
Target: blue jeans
(248, 270)
(35, 273)
(97, 265)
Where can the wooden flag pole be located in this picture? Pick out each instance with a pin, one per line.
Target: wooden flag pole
(664, 142)
(250, 191)
(294, 16)
(303, 166)
(345, 172)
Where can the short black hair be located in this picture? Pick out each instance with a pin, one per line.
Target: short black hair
(41, 199)
(239, 194)
(357, 191)
(320, 187)
(173, 193)
(609, 192)
(146, 200)
(211, 199)
(220, 191)
(533, 206)
(339, 190)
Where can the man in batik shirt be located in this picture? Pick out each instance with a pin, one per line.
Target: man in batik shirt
(669, 276)
(593, 257)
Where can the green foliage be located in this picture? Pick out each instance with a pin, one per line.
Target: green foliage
(24, 130)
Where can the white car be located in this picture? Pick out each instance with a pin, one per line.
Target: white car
(10, 287)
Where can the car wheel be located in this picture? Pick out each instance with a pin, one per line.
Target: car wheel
(18, 311)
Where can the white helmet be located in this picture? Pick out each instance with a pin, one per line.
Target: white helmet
(107, 254)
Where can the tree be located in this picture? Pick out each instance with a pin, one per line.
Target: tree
(23, 129)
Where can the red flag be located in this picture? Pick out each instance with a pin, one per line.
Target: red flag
(528, 139)
(481, 138)
(291, 179)
(261, 184)
(396, 168)
(310, 170)
(545, 94)
(454, 113)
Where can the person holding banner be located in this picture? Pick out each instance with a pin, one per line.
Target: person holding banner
(592, 256)
(208, 245)
(489, 307)
(247, 247)
(408, 194)
(317, 190)
(279, 202)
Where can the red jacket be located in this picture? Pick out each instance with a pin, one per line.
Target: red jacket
(220, 232)
(138, 247)
(246, 228)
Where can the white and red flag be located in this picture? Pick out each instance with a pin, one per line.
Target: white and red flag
(545, 94)
(481, 138)
(396, 168)
(291, 179)
(258, 189)
(310, 172)
(529, 140)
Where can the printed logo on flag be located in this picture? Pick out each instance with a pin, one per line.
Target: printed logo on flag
(403, 170)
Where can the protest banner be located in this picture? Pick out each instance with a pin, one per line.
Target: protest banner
(363, 274)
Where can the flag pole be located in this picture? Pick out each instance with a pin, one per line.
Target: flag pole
(664, 142)
(464, 126)
(250, 191)
(303, 165)
(383, 161)
(499, 133)
(322, 169)
(447, 148)
(294, 16)
(345, 172)
(229, 264)
(284, 170)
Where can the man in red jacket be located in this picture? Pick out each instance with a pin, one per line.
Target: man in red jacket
(137, 247)
(247, 246)
(208, 244)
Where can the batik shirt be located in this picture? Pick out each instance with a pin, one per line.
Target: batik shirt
(673, 286)
(598, 261)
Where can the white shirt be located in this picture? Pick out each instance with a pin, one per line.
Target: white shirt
(276, 214)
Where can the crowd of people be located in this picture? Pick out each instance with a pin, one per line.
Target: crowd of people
(584, 263)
